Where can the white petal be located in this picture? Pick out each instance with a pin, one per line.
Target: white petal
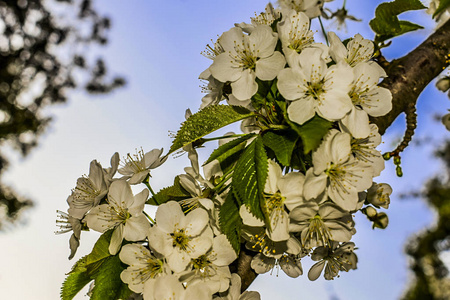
(161, 241)
(167, 215)
(335, 105)
(302, 110)
(198, 291)
(173, 289)
(292, 83)
(279, 222)
(136, 228)
(224, 253)
(337, 49)
(273, 175)
(99, 218)
(224, 68)
(263, 40)
(195, 222)
(268, 68)
(314, 185)
(379, 102)
(357, 123)
(248, 218)
(245, 87)
(314, 67)
(340, 148)
(116, 240)
(315, 270)
(199, 246)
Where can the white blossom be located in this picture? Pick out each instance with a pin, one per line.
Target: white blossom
(337, 171)
(136, 167)
(358, 49)
(334, 258)
(180, 237)
(368, 100)
(314, 88)
(123, 213)
(295, 35)
(265, 18)
(247, 57)
(280, 193)
(67, 223)
(319, 225)
(88, 192)
(211, 268)
(364, 150)
(312, 8)
(143, 267)
(234, 292)
(378, 194)
(169, 288)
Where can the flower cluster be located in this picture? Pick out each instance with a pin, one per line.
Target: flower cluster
(287, 188)
(309, 209)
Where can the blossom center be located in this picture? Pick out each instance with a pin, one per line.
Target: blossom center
(245, 57)
(85, 192)
(153, 268)
(202, 263)
(315, 89)
(180, 239)
(317, 231)
(275, 201)
(135, 162)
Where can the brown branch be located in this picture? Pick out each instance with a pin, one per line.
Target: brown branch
(407, 77)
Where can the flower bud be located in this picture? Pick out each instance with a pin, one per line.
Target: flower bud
(381, 221)
(378, 195)
(370, 212)
(443, 84)
(446, 121)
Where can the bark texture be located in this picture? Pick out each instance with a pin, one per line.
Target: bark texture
(407, 77)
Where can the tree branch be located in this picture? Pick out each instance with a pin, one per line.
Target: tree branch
(407, 77)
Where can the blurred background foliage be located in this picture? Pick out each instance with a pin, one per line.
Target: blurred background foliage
(44, 48)
(430, 274)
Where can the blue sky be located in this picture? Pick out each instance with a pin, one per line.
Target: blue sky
(156, 46)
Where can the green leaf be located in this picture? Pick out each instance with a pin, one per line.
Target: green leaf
(108, 285)
(87, 268)
(282, 143)
(99, 252)
(228, 149)
(73, 284)
(175, 192)
(249, 178)
(230, 221)
(386, 23)
(312, 132)
(443, 5)
(206, 121)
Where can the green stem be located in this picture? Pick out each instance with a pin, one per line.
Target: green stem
(278, 126)
(225, 178)
(222, 137)
(323, 31)
(345, 2)
(150, 218)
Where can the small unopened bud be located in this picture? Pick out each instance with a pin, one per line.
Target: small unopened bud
(381, 221)
(370, 212)
(397, 160)
(387, 156)
(399, 171)
(446, 121)
(443, 84)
